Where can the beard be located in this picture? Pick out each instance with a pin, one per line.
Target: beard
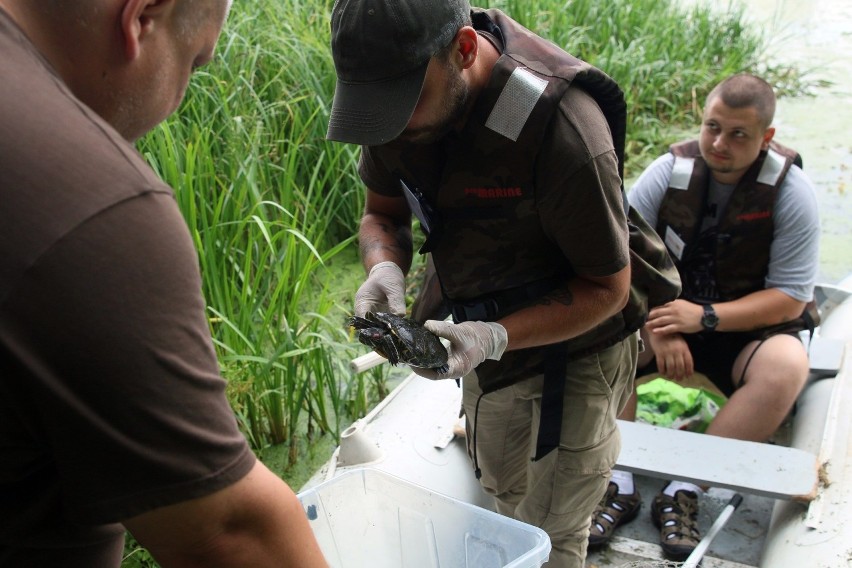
(719, 169)
(458, 98)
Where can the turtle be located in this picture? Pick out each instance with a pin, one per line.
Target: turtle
(401, 340)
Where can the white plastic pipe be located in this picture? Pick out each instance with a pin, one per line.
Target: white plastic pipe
(366, 362)
(697, 554)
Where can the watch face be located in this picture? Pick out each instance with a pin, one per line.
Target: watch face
(710, 320)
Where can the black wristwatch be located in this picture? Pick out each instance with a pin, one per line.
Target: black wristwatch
(709, 320)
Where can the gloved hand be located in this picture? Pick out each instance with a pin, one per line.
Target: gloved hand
(383, 291)
(471, 343)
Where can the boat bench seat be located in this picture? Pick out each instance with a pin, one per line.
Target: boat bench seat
(769, 470)
(824, 356)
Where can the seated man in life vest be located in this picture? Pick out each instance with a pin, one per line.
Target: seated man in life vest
(740, 220)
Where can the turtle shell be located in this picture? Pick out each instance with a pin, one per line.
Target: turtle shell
(401, 340)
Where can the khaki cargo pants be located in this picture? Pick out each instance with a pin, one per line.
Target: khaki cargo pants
(559, 492)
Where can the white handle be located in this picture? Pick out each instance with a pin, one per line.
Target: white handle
(698, 552)
(366, 362)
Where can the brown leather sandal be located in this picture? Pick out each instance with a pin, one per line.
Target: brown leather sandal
(613, 511)
(677, 519)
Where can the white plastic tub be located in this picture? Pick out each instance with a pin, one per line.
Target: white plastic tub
(368, 518)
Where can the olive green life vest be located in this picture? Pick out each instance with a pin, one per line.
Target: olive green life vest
(740, 243)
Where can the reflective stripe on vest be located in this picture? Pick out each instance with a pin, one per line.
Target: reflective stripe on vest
(770, 172)
(773, 167)
(515, 104)
(681, 172)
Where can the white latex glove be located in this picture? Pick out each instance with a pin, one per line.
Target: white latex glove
(383, 291)
(471, 343)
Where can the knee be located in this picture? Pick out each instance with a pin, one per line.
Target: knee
(782, 371)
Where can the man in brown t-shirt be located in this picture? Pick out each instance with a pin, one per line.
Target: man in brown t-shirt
(499, 144)
(112, 411)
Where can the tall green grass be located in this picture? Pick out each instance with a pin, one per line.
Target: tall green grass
(270, 203)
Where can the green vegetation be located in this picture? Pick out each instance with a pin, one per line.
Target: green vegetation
(270, 204)
(273, 207)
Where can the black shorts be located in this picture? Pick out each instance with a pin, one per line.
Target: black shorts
(713, 354)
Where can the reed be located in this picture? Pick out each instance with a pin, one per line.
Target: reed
(269, 203)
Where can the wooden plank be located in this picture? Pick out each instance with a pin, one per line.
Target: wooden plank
(772, 471)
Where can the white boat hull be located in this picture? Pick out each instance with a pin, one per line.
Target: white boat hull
(409, 435)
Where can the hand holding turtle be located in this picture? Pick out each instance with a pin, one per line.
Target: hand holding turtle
(383, 291)
(401, 340)
(471, 343)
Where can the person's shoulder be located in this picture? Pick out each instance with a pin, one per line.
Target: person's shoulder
(798, 180)
(656, 174)
(797, 197)
(663, 162)
(80, 146)
(647, 193)
(580, 123)
(797, 187)
(577, 104)
(63, 165)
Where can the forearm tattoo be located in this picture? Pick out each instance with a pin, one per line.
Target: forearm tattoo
(400, 245)
(562, 296)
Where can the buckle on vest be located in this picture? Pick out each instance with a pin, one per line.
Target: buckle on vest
(484, 310)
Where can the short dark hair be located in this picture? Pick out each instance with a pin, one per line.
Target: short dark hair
(746, 90)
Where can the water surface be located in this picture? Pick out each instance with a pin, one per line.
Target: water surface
(816, 35)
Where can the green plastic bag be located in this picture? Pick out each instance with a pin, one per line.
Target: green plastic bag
(665, 403)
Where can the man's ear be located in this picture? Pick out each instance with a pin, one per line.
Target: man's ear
(468, 46)
(767, 137)
(138, 19)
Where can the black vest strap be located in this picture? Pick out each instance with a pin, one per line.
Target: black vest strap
(493, 306)
(552, 396)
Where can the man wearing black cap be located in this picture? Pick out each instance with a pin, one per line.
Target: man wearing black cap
(502, 145)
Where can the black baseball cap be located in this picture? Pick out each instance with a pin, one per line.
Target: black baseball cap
(381, 49)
